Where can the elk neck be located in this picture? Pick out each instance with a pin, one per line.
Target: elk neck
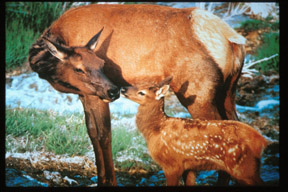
(149, 118)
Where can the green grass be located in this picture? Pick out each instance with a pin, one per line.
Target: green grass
(269, 47)
(255, 24)
(18, 41)
(29, 130)
(121, 139)
(61, 134)
(270, 44)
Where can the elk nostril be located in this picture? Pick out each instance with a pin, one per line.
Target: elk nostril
(113, 93)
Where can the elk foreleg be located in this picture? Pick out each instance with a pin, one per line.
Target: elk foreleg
(98, 124)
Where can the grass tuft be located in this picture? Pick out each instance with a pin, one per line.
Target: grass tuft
(18, 41)
(37, 130)
(26, 128)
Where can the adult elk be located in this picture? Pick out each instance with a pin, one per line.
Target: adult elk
(202, 53)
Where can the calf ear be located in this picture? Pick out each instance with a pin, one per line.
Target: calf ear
(57, 50)
(94, 40)
(166, 81)
(162, 92)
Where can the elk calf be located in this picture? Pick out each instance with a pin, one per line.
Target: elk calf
(181, 145)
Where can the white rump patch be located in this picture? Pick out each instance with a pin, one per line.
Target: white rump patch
(215, 35)
(240, 40)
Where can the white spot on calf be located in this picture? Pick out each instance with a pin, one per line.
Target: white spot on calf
(231, 150)
(182, 147)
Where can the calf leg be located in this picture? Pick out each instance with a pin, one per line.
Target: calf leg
(189, 178)
(97, 118)
(210, 105)
(172, 176)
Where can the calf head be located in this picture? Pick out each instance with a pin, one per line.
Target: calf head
(72, 69)
(143, 94)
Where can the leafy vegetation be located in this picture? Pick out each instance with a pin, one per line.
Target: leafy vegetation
(270, 42)
(269, 47)
(24, 22)
(255, 24)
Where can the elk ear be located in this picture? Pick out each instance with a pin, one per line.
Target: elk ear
(162, 92)
(94, 40)
(56, 49)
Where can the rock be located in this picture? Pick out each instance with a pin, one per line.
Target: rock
(70, 181)
(54, 177)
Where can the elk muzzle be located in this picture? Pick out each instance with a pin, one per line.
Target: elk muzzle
(105, 89)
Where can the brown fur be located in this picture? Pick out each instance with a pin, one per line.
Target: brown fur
(142, 42)
(178, 144)
(154, 43)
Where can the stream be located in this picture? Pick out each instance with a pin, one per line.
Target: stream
(257, 106)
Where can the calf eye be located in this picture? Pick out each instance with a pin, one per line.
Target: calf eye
(78, 70)
(142, 93)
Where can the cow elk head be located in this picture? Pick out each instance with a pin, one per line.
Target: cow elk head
(80, 71)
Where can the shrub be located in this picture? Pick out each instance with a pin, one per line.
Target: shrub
(255, 24)
(269, 47)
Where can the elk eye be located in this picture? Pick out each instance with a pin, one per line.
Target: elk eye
(78, 70)
(142, 93)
